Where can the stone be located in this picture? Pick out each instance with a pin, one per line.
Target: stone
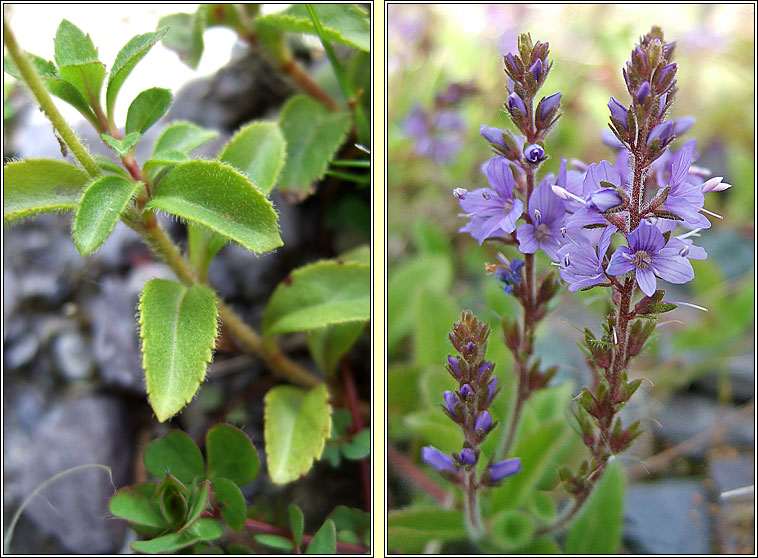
(72, 355)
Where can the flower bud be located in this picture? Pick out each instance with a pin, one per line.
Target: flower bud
(440, 461)
(515, 103)
(547, 105)
(483, 422)
(504, 469)
(492, 135)
(604, 199)
(643, 92)
(534, 153)
(662, 132)
(467, 457)
(618, 112)
(536, 69)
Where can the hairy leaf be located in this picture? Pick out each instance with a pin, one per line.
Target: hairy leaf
(178, 331)
(86, 78)
(203, 245)
(325, 540)
(126, 59)
(313, 136)
(100, 209)
(78, 64)
(175, 453)
(136, 505)
(329, 344)
(124, 145)
(318, 295)
(231, 454)
(222, 199)
(199, 503)
(258, 150)
(204, 529)
(36, 186)
(296, 425)
(182, 136)
(147, 108)
(231, 502)
(346, 24)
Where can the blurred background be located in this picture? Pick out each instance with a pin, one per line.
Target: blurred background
(445, 80)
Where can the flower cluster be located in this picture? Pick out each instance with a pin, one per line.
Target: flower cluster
(468, 407)
(573, 216)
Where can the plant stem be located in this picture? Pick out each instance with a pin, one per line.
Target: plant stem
(471, 507)
(274, 530)
(415, 475)
(46, 102)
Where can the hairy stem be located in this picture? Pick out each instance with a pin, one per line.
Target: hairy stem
(37, 88)
(471, 507)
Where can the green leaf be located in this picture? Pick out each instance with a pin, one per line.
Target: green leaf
(537, 453)
(185, 36)
(297, 522)
(410, 529)
(126, 59)
(160, 161)
(598, 528)
(183, 136)
(222, 199)
(122, 146)
(346, 24)
(179, 326)
(318, 295)
(136, 505)
(231, 502)
(172, 498)
(110, 166)
(175, 453)
(512, 529)
(100, 209)
(36, 186)
(198, 504)
(430, 342)
(72, 46)
(328, 345)
(238, 549)
(296, 425)
(325, 540)
(275, 541)
(258, 150)
(87, 79)
(359, 446)
(433, 427)
(231, 454)
(359, 254)
(147, 108)
(203, 529)
(53, 82)
(313, 136)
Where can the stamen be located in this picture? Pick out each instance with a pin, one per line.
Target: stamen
(537, 216)
(615, 337)
(684, 251)
(695, 306)
(566, 261)
(694, 232)
(699, 171)
(563, 232)
(460, 193)
(627, 257)
(716, 215)
(565, 194)
(486, 195)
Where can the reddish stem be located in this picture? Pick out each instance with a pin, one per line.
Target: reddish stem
(415, 475)
(357, 426)
(281, 531)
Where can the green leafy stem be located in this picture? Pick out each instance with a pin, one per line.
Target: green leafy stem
(147, 226)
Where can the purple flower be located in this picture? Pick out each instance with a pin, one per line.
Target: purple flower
(467, 457)
(683, 124)
(548, 214)
(649, 257)
(491, 389)
(450, 401)
(465, 391)
(582, 261)
(492, 135)
(504, 469)
(603, 199)
(643, 92)
(516, 103)
(664, 72)
(536, 69)
(619, 112)
(590, 214)
(455, 365)
(493, 211)
(662, 132)
(437, 134)
(534, 153)
(483, 422)
(547, 105)
(685, 199)
(484, 367)
(510, 275)
(440, 461)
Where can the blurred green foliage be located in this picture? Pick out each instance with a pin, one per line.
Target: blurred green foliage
(435, 272)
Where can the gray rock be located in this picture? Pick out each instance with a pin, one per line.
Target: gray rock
(72, 355)
(74, 508)
(21, 351)
(687, 415)
(741, 370)
(734, 490)
(669, 516)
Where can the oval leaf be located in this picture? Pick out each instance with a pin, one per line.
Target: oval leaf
(122, 146)
(343, 23)
(297, 523)
(231, 454)
(296, 425)
(183, 136)
(86, 78)
(222, 199)
(325, 540)
(100, 209)
(185, 36)
(319, 295)
(410, 529)
(359, 446)
(275, 541)
(258, 150)
(598, 528)
(136, 505)
(198, 504)
(147, 108)
(313, 136)
(127, 58)
(327, 345)
(37, 186)
(231, 502)
(175, 453)
(178, 331)
(202, 530)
